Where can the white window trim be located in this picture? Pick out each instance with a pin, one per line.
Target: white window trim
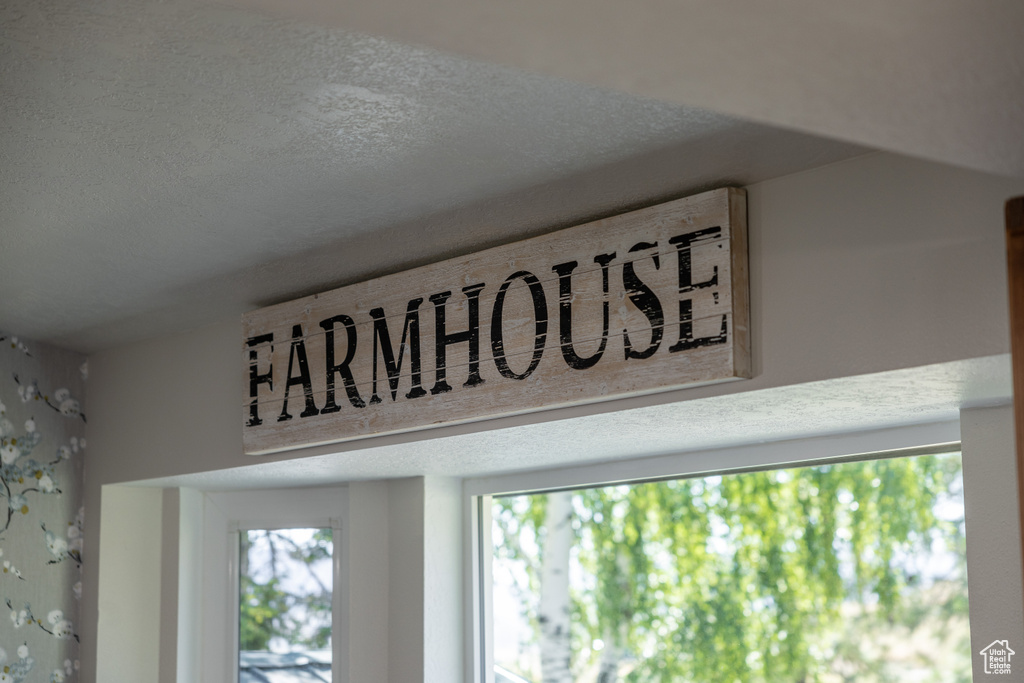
(478, 492)
(224, 516)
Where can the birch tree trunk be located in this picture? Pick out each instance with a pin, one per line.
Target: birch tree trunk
(612, 654)
(555, 646)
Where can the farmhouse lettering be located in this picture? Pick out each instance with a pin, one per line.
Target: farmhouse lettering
(651, 300)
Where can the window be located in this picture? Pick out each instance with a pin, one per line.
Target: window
(285, 586)
(839, 571)
(275, 595)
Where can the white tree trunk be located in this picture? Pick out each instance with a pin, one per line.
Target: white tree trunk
(555, 647)
(610, 658)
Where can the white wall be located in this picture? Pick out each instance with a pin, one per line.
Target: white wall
(188, 600)
(171, 536)
(406, 530)
(369, 570)
(993, 531)
(129, 593)
(442, 580)
(876, 264)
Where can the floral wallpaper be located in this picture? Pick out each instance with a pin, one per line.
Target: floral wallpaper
(42, 446)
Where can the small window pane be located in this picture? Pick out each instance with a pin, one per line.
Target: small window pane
(285, 585)
(841, 572)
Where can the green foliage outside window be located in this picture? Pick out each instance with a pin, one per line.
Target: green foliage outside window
(283, 602)
(842, 572)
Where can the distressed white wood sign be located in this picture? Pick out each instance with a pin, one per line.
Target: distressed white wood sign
(647, 301)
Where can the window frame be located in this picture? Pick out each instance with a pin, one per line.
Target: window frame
(225, 514)
(478, 494)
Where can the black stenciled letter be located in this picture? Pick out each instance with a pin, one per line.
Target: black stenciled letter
(540, 313)
(298, 352)
(442, 340)
(683, 243)
(646, 301)
(255, 378)
(410, 332)
(564, 271)
(342, 367)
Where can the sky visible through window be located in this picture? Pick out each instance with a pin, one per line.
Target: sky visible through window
(852, 571)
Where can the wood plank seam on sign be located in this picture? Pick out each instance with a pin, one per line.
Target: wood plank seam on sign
(621, 322)
(427, 337)
(653, 380)
(454, 368)
(707, 306)
(652, 300)
(309, 323)
(511, 290)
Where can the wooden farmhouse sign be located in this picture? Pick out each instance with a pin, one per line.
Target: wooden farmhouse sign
(646, 301)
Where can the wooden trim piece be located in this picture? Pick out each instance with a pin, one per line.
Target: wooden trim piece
(1015, 278)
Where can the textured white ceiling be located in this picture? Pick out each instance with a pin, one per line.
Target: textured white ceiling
(168, 164)
(938, 79)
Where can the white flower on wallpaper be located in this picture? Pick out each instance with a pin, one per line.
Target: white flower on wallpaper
(10, 452)
(58, 627)
(18, 618)
(62, 401)
(15, 672)
(21, 475)
(76, 537)
(74, 445)
(55, 544)
(12, 570)
(27, 392)
(8, 568)
(16, 344)
(60, 548)
(41, 446)
(64, 404)
(16, 503)
(46, 484)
